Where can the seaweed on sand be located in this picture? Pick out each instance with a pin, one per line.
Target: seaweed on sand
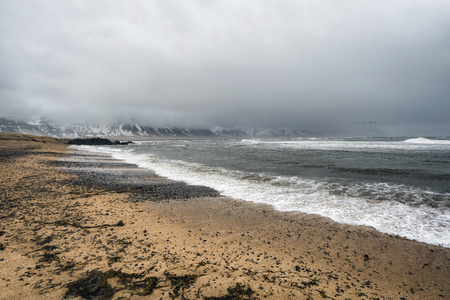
(143, 287)
(180, 283)
(95, 285)
(238, 292)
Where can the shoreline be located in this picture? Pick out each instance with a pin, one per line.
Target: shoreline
(63, 229)
(372, 200)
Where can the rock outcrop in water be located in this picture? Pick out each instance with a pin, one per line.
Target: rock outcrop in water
(97, 142)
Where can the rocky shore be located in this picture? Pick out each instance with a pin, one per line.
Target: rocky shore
(80, 225)
(96, 141)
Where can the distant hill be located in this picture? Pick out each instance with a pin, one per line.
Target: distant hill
(43, 127)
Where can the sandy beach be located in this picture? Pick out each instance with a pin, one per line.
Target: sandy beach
(81, 225)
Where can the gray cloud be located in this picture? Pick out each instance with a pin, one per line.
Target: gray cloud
(227, 63)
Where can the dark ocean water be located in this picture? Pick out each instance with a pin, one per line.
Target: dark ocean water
(397, 185)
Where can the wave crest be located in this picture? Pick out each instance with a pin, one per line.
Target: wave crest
(422, 140)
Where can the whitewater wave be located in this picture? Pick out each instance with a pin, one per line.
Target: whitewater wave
(357, 145)
(422, 140)
(418, 222)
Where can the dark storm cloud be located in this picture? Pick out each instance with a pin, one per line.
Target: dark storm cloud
(227, 63)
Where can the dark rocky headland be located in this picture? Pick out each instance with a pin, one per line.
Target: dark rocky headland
(96, 142)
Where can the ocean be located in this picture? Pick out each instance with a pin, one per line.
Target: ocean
(398, 186)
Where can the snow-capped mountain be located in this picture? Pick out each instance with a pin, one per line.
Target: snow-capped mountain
(39, 126)
(32, 127)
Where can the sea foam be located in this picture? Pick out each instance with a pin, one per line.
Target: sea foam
(421, 140)
(290, 193)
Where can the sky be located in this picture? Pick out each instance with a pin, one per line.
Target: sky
(253, 63)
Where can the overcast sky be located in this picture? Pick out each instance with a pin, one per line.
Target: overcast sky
(252, 63)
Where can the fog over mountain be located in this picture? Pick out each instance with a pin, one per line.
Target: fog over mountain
(229, 64)
(133, 129)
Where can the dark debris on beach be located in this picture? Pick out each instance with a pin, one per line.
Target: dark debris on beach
(121, 177)
(94, 175)
(47, 216)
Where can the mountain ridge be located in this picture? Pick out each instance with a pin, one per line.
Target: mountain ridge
(38, 126)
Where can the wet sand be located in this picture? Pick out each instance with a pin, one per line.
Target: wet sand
(80, 225)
